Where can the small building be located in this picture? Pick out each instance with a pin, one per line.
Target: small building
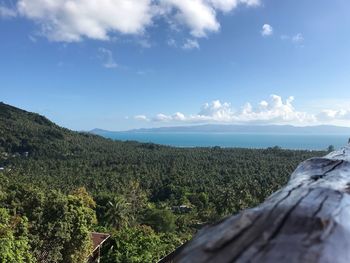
(98, 241)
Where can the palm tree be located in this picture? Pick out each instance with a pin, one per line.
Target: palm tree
(117, 214)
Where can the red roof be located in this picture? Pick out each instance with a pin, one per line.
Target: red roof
(98, 239)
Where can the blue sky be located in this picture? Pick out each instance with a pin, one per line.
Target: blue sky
(122, 64)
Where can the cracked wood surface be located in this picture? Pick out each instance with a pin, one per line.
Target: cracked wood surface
(306, 221)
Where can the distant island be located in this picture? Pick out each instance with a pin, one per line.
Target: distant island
(221, 128)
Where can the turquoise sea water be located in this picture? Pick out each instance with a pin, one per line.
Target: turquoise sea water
(287, 141)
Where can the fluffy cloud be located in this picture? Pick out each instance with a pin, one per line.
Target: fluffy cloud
(215, 111)
(331, 115)
(141, 118)
(162, 118)
(267, 30)
(198, 15)
(274, 110)
(106, 56)
(69, 21)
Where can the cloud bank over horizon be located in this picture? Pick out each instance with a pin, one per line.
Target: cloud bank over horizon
(73, 21)
(275, 110)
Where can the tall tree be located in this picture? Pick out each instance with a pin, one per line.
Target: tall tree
(14, 242)
(117, 214)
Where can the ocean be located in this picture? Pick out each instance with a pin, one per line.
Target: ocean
(241, 140)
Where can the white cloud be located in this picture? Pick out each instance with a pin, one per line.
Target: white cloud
(190, 44)
(197, 15)
(216, 111)
(200, 16)
(330, 115)
(70, 21)
(106, 56)
(178, 116)
(162, 118)
(6, 12)
(267, 30)
(228, 5)
(275, 110)
(141, 118)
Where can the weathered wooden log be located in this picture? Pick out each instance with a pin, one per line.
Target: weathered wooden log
(306, 221)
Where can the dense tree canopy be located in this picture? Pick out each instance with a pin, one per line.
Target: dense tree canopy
(14, 241)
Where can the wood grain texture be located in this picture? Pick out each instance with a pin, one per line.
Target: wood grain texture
(306, 221)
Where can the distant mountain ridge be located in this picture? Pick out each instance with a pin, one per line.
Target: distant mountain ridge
(216, 128)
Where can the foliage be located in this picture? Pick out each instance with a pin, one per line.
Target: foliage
(139, 244)
(60, 225)
(14, 242)
(161, 220)
(117, 212)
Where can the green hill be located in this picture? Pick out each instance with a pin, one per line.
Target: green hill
(22, 131)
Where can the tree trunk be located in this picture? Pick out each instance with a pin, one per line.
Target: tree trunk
(306, 221)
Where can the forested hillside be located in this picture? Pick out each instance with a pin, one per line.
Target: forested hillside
(56, 186)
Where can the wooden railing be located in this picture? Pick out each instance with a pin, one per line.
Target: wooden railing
(306, 221)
